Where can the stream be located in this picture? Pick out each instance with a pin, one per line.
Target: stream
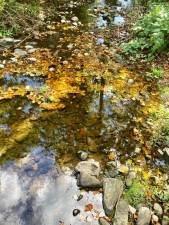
(104, 112)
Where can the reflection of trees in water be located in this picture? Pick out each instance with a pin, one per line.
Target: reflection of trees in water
(89, 122)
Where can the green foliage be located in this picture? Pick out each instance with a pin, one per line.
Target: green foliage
(150, 33)
(162, 195)
(155, 73)
(136, 193)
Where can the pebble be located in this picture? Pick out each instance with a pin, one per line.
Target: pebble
(158, 209)
(31, 60)
(2, 66)
(28, 47)
(137, 150)
(130, 81)
(19, 52)
(82, 155)
(155, 218)
(75, 18)
(76, 212)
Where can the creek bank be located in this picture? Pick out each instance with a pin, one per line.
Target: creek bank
(115, 205)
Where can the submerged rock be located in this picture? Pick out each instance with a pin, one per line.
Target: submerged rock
(103, 221)
(144, 216)
(121, 214)
(112, 191)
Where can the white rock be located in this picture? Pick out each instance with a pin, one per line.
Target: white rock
(158, 209)
(75, 19)
(155, 218)
(2, 66)
(144, 216)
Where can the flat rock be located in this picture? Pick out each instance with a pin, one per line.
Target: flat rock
(87, 181)
(112, 191)
(121, 214)
(90, 167)
(103, 221)
(144, 216)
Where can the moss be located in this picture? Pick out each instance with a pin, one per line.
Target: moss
(136, 193)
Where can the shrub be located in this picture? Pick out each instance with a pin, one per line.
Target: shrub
(136, 193)
(151, 34)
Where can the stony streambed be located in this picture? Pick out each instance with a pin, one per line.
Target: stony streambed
(75, 126)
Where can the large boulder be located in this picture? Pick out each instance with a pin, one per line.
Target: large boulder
(112, 191)
(144, 216)
(121, 214)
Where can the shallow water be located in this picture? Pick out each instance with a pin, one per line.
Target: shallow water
(109, 113)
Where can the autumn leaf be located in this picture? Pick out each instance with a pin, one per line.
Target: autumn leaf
(88, 207)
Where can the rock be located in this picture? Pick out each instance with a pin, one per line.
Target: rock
(137, 150)
(111, 169)
(20, 53)
(2, 66)
(76, 212)
(130, 178)
(158, 209)
(74, 19)
(82, 155)
(130, 81)
(103, 221)
(27, 47)
(91, 167)
(123, 169)
(132, 210)
(88, 181)
(144, 216)
(165, 220)
(32, 50)
(154, 219)
(32, 60)
(121, 214)
(112, 191)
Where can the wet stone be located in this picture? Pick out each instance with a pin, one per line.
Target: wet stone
(112, 191)
(76, 212)
(144, 216)
(121, 214)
